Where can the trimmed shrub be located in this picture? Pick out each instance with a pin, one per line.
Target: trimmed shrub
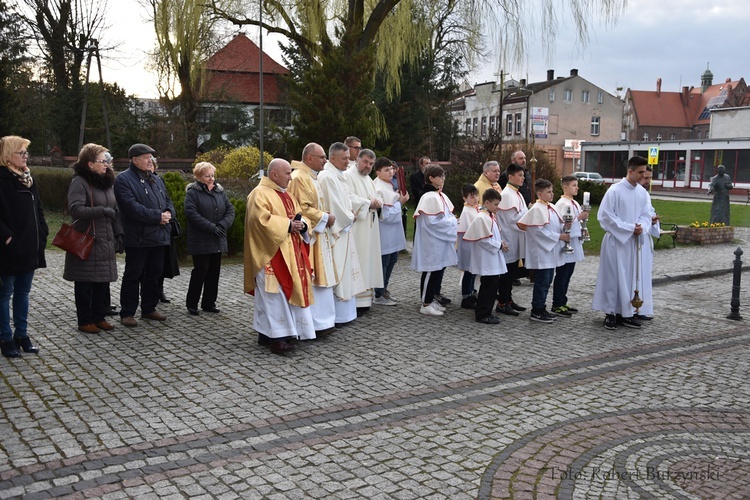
(176, 190)
(236, 233)
(52, 185)
(241, 163)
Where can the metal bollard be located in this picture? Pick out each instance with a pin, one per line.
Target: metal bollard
(735, 304)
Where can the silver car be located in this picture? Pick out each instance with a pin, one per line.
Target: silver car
(590, 176)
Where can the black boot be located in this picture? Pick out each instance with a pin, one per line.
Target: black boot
(9, 349)
(25, 344)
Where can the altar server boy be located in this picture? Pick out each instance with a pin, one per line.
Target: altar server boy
(483, 238)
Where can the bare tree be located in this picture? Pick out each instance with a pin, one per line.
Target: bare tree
(186, 36)
(64, 30)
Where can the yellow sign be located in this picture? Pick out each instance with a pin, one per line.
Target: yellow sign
(653, 156)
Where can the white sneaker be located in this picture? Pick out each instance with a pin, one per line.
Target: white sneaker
(387, 295)
(437, 306)
(430, 310)
(383, 301)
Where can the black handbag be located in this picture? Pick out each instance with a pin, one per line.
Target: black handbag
(176, 229)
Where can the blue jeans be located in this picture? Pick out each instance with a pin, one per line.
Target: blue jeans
(389, 262)
(562, 281)
(19, 287)
(542, 281)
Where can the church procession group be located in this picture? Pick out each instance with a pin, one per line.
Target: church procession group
(322, 237)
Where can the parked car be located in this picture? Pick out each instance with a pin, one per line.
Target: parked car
(590, 176)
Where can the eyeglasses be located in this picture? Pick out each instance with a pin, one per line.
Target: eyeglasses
(105, 162)
(24, 154)
(358, 148)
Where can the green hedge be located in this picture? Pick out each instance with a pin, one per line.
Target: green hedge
(52, 185)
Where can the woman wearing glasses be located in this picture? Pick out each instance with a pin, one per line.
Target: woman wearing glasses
(23, 236)
(92, 205)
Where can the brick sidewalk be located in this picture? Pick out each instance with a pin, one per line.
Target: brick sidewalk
(394, 406)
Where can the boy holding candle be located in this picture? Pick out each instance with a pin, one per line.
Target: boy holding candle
(568, 205)
(544, 234)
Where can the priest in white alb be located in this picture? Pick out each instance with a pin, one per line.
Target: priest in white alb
(337, 198)
(365, 203)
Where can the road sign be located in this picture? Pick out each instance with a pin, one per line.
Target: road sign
(653, 156)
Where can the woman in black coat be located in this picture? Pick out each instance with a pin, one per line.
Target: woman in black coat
(209, 216)
(23, 237)
(92, 204)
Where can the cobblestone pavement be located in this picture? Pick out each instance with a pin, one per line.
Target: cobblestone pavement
(396, 405)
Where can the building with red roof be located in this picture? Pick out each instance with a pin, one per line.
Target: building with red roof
(233, 76)
(658, 115)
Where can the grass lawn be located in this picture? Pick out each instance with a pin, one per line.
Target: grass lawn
(681, 213)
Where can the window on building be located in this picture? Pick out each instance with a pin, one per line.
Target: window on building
(508, 124)
(645, 136)
(467, 127)
(492, 125)
(698, 134)
(552, 94)
(672, 137)
(476, 123)
(658, 136)
(518, 123)
(600, 97)
(484, 127)
(595, 125)
(568, 95)
(585, 96)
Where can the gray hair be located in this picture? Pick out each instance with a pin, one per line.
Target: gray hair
(367, 152)
(487, 166)
(336, 147)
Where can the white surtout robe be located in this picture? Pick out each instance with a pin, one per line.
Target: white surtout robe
(366, 233)
(647, 265)
(543, 227)
(512, 208)
(392, 237)
(623, 206)
(435, 236)
(336, 195)
(484, 243)
(463, 249)
(576, 242)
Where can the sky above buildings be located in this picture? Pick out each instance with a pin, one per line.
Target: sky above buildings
(673, 40)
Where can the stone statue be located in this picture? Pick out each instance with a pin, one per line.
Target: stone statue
(720, 185)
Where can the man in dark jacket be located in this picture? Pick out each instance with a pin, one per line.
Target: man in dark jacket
(416, 180)
(145, 211)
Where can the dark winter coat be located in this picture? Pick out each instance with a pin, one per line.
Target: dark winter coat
(141, 199)
(205, 209)
(101, 266)
(22, 218)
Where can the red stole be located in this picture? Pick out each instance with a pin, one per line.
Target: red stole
(301, 250)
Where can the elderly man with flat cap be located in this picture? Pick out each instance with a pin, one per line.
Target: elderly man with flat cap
(145, 211)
